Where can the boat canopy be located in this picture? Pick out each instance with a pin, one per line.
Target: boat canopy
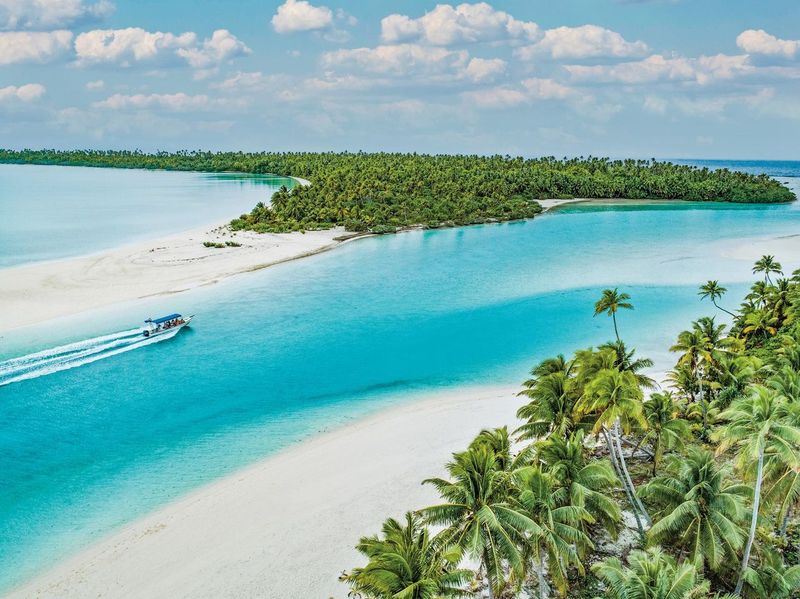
(163, 318)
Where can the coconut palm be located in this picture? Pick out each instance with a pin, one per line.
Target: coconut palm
(610, 302)
(772, 579)
(713, 290)
(551, 409)
(665, 428)
(624, 360)
(759, 324)
(697, 510)
(650, 574)
(557, 530)
(767, 264)
(780, 300)
(614, 400)
(756, 424)
(693, 345)
(407, 562)
(582, 482)
(478, 516)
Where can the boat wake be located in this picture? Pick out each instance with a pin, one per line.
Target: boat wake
(75, 354)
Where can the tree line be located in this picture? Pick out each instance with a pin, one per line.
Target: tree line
(613, 487)
(382, 192)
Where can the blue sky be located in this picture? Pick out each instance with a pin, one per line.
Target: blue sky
(664, 78)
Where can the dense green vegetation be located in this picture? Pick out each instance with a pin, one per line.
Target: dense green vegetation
(382, 192)
(609, 488)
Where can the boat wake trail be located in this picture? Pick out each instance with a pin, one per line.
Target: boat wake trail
(73, 355)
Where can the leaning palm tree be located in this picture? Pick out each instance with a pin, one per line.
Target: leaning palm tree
(756, 424)
(650, 574)
(614, 399)
(585, 483)
(478, 516)
(767, 264)
(665, 428)
(408, 562)
(610, 302)
(697, 510)
(713, 290)
(557, 530)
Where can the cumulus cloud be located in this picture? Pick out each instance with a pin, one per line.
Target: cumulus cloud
(32, 46)
(532, 89)
(586, 41)
(179, 102)
(447, 24)
(758, 41)
(51, 14)
(132, 45)
(703, 70)
(399, 59)
(482, 69)
(301, 15)
(22, 93)
(221, 46)
(95, 85)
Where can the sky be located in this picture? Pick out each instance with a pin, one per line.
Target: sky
(618, 78)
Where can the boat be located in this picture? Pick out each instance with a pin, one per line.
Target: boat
(165, 325)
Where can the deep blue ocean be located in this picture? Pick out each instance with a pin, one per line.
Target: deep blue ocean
(278, 355)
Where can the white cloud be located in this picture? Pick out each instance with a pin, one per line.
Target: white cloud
(221, 46)
(300, 15)
(533, 89)
(132, 45)
(242, 80)
(759, 41)
(586, 41)
(447, 24)
(179, 102)
(400, 59)
(32, 46)
(702, 70)
(482, 69)
(95, 85)
(51, 14)
(22, 93)
(125, 45)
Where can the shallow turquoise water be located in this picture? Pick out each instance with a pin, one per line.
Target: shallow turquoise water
(51, 212)
(277, 355)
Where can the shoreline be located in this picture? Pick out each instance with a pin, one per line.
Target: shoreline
(31, 294)
(249, 532)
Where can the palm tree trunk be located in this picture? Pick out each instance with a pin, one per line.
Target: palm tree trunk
(624, 467)
(704, 408)
(656, 453)
(488, 578)
(721, 308)
(785, 523)
(753, 522)
(614, 318)
(612, 453)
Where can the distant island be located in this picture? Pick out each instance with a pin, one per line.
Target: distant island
(384, 192)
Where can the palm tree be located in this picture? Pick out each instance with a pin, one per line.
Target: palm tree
(697, 510)
(614, 399)
(693, 347)
(651, 574)
(713, 290)
(767, 265)
(408, 563)
(772, 579)
(582, 482)
(551, 408)
(624, 360)
(557, 530)
(478, 516)
(759, 323)
(665, 429)
(755, 424)
(610, 302)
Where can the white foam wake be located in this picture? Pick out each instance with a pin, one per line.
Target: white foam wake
(75, 354)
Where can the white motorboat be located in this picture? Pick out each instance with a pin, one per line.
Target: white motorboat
(166, 325)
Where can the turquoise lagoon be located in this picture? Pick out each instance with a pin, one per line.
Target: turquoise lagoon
(281, 354)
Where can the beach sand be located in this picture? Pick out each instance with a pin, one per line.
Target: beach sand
(285, 527)
(38, 292)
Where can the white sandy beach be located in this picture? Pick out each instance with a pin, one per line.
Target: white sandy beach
(285, 528)
(35, 293)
